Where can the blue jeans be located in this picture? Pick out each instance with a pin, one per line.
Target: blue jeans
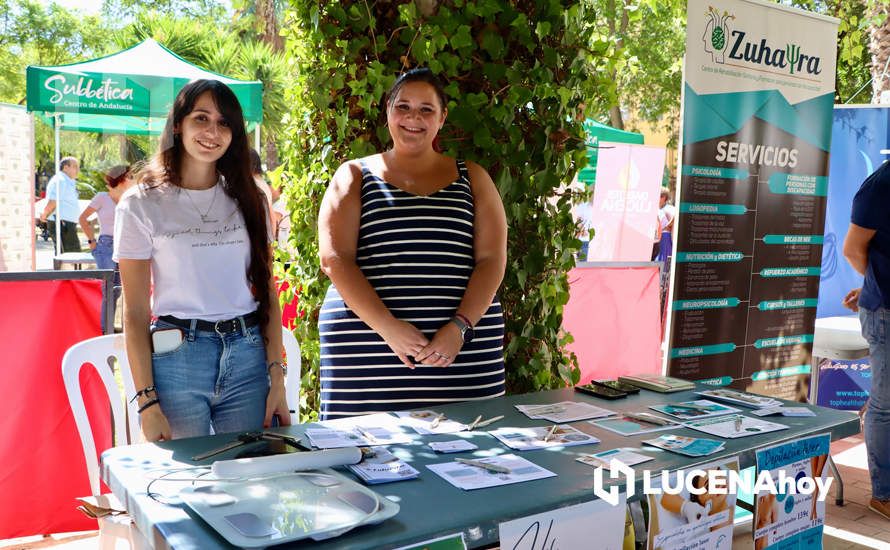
(213, 381)
(102, 254)
(877, 418)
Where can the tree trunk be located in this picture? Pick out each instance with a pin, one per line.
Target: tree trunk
(879, 48)
(270, 34)
(265, 14)
(615, 118)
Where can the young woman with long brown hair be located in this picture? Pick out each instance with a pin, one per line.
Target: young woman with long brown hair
(202, 321)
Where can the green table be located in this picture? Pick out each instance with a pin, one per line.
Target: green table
(430, 506)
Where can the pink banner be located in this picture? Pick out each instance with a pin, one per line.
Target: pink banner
(625, 202)
(624, 337)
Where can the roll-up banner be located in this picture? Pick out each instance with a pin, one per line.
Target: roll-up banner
(757, 105)
(625, 202)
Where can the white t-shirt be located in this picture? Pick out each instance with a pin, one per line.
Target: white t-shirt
(198, 268)
(669, 212)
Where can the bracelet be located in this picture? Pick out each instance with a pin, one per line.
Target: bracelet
(153, 402)
(144, 391)
(463, 318)
(279, 364)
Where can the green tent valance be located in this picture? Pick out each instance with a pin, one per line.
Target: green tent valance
(596, 133)
(127, 92)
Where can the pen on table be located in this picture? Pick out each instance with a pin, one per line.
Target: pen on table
(489, 421)
(367, 435)
(550, 433)
(693, 406)
(435, 423)
(649, 419)
(546, 409)
(473, 423)
(484, 465)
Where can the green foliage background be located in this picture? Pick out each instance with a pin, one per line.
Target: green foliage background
(201, 31)
(514, 74)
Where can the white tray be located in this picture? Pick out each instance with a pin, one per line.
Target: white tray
(317, 504)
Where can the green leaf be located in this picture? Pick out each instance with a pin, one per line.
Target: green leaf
(462, 38)
(493, 44)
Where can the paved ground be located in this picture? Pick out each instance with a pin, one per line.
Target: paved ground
(44, 254)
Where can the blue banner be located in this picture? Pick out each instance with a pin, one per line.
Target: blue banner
(844, 385)
(857, 136)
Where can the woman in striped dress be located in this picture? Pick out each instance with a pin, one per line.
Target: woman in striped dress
(415, 245)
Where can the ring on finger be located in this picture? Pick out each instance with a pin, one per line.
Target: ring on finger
(445, 357)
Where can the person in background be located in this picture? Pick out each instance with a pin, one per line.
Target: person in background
(867, 249)
(63, 186)
(117, 181)
(667, 212)
(193, 243)
(656, 238)
(415, 244)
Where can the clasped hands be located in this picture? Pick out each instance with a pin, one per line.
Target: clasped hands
(405, 340)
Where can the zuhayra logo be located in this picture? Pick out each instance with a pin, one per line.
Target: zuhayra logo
(721, 42)
(718, 481)
(716, 34)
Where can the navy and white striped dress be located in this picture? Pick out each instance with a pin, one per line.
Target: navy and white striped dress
(417, 253)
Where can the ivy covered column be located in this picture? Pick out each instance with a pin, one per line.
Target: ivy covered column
(516, 74)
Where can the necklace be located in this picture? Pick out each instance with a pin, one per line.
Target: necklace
(205, 217)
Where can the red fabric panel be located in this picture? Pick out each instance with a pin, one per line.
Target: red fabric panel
(288, 311)
(43, 465)
(613, 314)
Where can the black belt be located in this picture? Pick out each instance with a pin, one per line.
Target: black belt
(226, 326)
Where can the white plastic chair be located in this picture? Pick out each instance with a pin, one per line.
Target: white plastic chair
(294, 364)
(101, 353)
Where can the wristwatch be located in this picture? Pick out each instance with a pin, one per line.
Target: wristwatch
(466, 329)
(280, 364)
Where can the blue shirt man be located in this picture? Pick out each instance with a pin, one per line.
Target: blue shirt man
(867, 248)
(62, 190)
(62, 187)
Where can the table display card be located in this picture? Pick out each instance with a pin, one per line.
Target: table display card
(786, 518)
(378, 465)
(688, 446)
(568, 527)
(689, 520)
(427, 422)
(452, 446)
(564, 411)
(700, 408)
(734, 426)
(529, 439)
(636, 423)
(603, 459)
(326, 438)
(784, 411)
(742, 399)
(469, 477)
